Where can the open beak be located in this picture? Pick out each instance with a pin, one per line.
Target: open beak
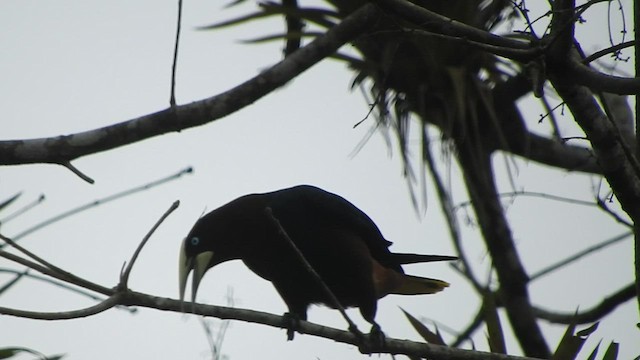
(198, 264)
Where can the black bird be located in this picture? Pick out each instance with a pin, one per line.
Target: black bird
(340, 242)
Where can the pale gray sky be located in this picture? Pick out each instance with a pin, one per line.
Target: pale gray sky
(69, 66)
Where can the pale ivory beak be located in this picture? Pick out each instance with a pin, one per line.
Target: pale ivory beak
(199, 264)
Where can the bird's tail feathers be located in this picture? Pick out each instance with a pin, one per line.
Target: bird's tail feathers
(419, 258)
(414, 285)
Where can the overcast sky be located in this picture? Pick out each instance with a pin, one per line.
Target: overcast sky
(69, 66)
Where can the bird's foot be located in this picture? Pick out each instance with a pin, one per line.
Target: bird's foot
(291, 322)
(374, 342)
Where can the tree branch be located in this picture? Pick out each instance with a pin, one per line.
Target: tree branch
(100, 201)
(107, 304)
(124, 276)
(597, 81)
(391, 346)
(606, 306)
(63, 149)
(437, 23)
(480, 183)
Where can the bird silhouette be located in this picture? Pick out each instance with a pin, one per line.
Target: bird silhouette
(276, 233)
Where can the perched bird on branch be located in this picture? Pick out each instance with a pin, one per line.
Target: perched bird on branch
(280, 234)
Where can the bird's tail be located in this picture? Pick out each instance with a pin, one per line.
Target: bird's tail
(414, 285)
(419, 258)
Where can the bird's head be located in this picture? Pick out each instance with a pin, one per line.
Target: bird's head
(196, 257)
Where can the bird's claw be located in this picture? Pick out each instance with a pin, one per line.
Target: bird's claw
(291, 322)
(373, 342)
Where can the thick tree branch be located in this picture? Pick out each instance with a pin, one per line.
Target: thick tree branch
(597, 81)
(62, 149)
(554, 153)
(636, 32)
(618, 166)
(480, 183)
(437, 23)
(605, 307)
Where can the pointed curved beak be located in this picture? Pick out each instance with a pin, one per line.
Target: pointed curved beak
(198, 264)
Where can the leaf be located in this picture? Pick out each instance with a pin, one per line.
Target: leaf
(594, 353)
(612, 351)
(570, 345)
(286, 36)
(317, 16)
(236, 21)
(427, 335)
(9, 200)
(9, 352)
(588, 331)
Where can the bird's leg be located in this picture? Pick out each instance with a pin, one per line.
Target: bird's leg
(374, 342)
(376, 336)
(291, 322)
(355, 331)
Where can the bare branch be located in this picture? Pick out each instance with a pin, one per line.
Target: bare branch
(57, 273)
(579, 255)
(172, 99)
(69, 147)
(391, 346)
(18, 275)
(557, 154)
(64, 315)
(101, 201)
(75, 170)
(124, 276)
(446, 205)
(606, 306)
(62, 285)
(436, 23)
(514, 293)
(23, 210)
(597, 81)
(612, 49)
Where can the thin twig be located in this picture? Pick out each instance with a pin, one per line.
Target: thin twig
(471, 328)
(23, 209)
(579, 255)
(172, 99)
(124, 275)
(62, 276)
(31, 255)
(60, 284)
(18, 275)
(612, 49)
(76, 171)
(334, 300)
(603, 205)
(536, 194)
(65, 315)
(101, 201)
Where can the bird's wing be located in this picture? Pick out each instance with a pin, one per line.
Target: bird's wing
(309, 206)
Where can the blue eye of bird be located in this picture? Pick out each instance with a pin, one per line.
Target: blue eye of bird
(195, 241)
